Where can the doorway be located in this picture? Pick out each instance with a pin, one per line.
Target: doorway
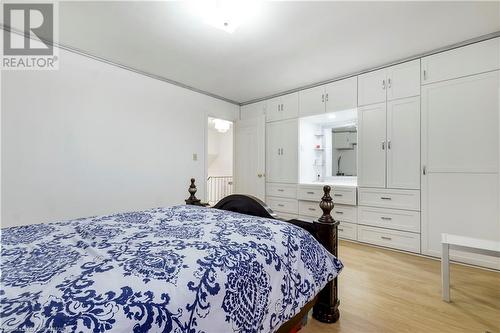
(219, 159)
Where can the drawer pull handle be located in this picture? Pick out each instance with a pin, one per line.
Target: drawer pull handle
(337, 212)
(386, 238)
(340, 229)
(337, 195)
(386, 218)
(310, 192)
(281, 190)
(386, 198)
(281, 205)
(312, 209)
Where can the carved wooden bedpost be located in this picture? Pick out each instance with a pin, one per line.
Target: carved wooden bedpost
(193, 200)
(326, 308)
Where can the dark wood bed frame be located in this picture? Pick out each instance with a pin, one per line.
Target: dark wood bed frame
(325, 306)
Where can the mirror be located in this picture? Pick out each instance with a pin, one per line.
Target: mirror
(328, 146)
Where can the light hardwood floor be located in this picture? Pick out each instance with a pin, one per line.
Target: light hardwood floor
(387, 291)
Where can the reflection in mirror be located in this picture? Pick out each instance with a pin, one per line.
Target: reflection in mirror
(328, 146)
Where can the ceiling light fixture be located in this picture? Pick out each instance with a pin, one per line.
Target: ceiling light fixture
(226, 15)
(222, 126)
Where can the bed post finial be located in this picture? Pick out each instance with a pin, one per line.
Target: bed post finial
(326, 308)
(192, 200)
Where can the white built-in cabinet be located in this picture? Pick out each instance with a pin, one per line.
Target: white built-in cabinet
(283, 107)
(336, 96)
(428, 151)
(460, 148)
(282, 151)
(389, 130)
(390, 83)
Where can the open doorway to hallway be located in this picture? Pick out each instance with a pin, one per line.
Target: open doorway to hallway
(219, 159)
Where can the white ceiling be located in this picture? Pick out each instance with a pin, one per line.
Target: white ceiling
(289, 44)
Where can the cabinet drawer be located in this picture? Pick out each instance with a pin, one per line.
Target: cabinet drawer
(389, 198)
(310, 208)
(400, 240)
(281, 190)
(345, 213)
(405, 220)
(344, 195)
(341, 194)
(347, 230)
(283, 205)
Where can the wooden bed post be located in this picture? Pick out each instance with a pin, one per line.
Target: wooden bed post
(193, 200)
(326, 308)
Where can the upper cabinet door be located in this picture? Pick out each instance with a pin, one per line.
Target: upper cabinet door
(342, 95)
(403, 143)
(371, 145)
(471, 59)
(290, 106)
(273, 109)
(372, 87)
(312, 101)
(253, 110)
(403, 80)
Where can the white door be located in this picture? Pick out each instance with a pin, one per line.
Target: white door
(372, 87)
(312, 101)
(403, 143)
(273, 152)
(288, 133)
(273, 109)
(290, 106)
(341, 95)
(403, 80)
(249, 157)
(372, 145)
(460, 151)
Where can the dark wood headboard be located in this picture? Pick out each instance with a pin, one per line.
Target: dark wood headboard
(324, 230)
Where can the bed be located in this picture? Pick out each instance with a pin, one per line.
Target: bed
(185, 268)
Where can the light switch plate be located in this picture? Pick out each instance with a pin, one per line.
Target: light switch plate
(195, 157)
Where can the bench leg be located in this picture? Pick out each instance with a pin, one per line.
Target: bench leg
(445, 272)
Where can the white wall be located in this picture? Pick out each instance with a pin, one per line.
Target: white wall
(220, 152)
(92, 138)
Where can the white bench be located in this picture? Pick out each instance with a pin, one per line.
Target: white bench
(463, 243)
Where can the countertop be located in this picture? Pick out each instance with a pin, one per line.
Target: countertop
(336, 181)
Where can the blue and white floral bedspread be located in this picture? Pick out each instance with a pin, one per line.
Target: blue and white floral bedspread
(180, 269)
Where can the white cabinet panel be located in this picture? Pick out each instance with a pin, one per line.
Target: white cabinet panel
(372, 87)
(403, 143)
(341, 95)
(310, 192)
(388, 198)
(371, 145)
(460, 124)
(401, 240)
(405, 220)
(282, 151)
(253, 110)
(403, 80)
(273, 109)
(290, 106)
(460, 204)
(468, 60)
(312, 101)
